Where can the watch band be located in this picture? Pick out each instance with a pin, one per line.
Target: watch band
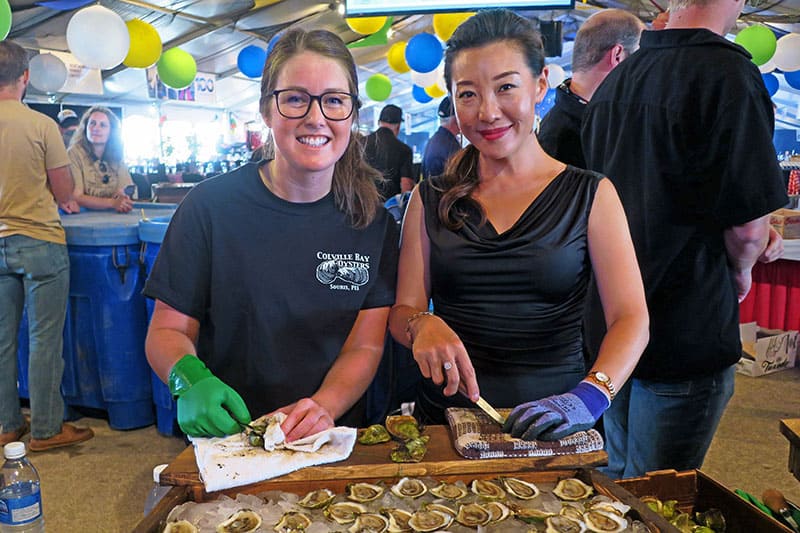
(604, 381)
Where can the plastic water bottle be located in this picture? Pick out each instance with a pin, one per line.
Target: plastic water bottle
(157, 492)
(20, 495)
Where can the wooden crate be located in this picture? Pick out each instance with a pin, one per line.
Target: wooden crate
(695, 491)
(790, 428)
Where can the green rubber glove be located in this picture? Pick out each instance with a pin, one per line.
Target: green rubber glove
(206, 405)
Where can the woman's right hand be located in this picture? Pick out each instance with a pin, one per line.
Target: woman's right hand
(441, 355)
(122, 203)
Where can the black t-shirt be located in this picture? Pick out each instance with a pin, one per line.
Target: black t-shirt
(560, 130)
(440, 147)
(683, 128)
(392, 157)
(275, 285)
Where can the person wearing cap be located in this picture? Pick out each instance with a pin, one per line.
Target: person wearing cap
(388, 154)
(443, 144)
(35, 180)
(67, 124)
(602, 43)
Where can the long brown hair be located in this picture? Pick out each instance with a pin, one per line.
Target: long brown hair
(461, 174)
(354, 189)
(113, 152)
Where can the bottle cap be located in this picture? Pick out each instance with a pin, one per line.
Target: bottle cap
(157, 472)
(14, 450)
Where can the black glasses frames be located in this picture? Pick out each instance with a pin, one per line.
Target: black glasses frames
(296, 103)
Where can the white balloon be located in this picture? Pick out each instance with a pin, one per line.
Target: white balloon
(555, 75)
(98, 37)
(787, 53)
(47, 73)
(767, 67)
(425, 79)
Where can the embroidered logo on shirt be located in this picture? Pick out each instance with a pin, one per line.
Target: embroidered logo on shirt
(343, 272)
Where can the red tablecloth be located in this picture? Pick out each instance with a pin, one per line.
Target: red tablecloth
(774, 299)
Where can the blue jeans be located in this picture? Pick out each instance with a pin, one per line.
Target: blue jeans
(654, 425)
(33, 274)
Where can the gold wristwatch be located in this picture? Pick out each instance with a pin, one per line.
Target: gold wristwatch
(602, 379)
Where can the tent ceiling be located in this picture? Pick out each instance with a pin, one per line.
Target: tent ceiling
(214, 31)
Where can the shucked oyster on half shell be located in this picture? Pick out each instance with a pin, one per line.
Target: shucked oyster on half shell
(518, 488)
(242, 521)
(403, 426)
(604, 521)
(344, 512)
(180, 526)
(370, 523)
(292, 522)
(498, 511)
(429, 521)
(398, 520)
(409, 488)
(449, 491)
(563, 524)
(572, 489)
(473, 515)
(317, 498)
(441, 508)
(487, 489)
(363, 492)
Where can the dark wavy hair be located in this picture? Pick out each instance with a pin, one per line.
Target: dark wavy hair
(114, 151)
(486, 27)
(354, 189)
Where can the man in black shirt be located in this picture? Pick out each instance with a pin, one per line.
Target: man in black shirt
(443, 143)
(390, 155)
(602, 43)
(683, 128)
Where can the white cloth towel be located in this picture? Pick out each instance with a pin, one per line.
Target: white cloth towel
(231, 461)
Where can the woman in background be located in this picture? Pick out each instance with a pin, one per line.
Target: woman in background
(97, 160)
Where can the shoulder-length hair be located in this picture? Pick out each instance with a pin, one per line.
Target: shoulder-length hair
(354, 189)
(487, 27)
(114, 152)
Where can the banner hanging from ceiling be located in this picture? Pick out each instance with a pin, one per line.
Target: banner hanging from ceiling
(203, 90)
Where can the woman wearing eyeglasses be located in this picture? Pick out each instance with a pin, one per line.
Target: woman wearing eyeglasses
(97, 162)
(274, 281)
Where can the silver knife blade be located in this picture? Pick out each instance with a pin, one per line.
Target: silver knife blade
(489, 410)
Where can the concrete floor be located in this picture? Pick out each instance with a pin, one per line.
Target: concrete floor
(100, 486)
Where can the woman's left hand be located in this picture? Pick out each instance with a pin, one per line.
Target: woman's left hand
(303, 418)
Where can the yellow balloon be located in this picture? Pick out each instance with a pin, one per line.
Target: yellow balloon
(145, 46)
(396, 57)
(434, 91)
(366, 25)
(444, 24)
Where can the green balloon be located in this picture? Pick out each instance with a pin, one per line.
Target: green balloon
(759, 41)
(176, 68)
(5, 19)
(379, 87)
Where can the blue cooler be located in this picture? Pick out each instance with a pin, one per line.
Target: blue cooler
(151, 233)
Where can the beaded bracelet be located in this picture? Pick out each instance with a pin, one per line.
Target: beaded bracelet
(418, 314)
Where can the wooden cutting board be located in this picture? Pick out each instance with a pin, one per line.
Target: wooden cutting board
(372, 462)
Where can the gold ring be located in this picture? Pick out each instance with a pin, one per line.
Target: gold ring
(447, 365)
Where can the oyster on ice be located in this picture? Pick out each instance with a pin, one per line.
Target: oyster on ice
(531, 516)
(572, 489)
(429, 521)
(180, 526)
(473, 515)
(520, 489)
(317, 498)
(242, 521)
(293, 522)
(363, 492)
(442, 508)
(409, 488)
(369, 523)
(573, 511)
(344, 512)
(604, 521)
(398, 520)
(497, 511)
(562, 524)
(449, 491)
(487, 489)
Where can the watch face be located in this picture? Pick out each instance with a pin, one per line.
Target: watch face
(602, 377)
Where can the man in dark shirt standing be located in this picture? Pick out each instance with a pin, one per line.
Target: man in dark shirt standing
(443, 143)
(683, 128)
(390, 155)
(602, 43)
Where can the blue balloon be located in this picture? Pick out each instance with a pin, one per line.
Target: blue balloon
(424, 52)
(792, 78)
(547, 103)
(420, 95)
(251, 61)
(771, 82)
(271, 44)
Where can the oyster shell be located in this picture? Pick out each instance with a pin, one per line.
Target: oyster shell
(409, 488)
(398, 520)
(573, 511)
(520, 489)
(572, 489)
(363, 492)
(473, 515)
(618, 508)
(429, 520)
(242, 521)
(449, 491)
(604, 521)
(180, 526)
(374, 434)
(369, 523)
(403, 427)
(562, 524)
(344, 512)
(317, 498)
(532, 516)
(442, 508)
(292, 522)
(487, 489)
(497, 511)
